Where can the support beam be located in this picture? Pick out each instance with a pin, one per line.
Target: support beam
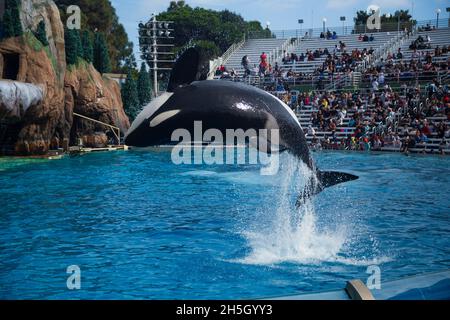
(114, 129)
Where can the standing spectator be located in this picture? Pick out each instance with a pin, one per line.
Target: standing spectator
(263, 64)
(246, 64)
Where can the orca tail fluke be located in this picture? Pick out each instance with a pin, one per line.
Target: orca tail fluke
(325, 179)
(328, 178)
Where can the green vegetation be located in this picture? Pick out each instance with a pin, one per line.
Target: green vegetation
(88, 48)
(130, 97)
(11, 25)
(101, 55)
(214, 30)
(41, 34)
(400, 18)
(31, 40)
(99, 16)
(144, 86)
(71, 38)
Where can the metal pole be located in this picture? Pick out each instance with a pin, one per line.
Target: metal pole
(155, 57)
(437, 21)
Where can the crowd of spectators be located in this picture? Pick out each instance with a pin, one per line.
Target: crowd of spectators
(400, 120)
(329, 35)
(420, 65)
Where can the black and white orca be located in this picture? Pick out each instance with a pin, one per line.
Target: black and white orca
(221, 105)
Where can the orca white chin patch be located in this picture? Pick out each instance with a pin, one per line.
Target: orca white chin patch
(150, 110)
(163, 117)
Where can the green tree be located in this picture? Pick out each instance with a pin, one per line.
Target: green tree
(144, 86)
(79, 45)
(130, 62)
(391, 22)
(8, 27)
(101, 55)
(41, 34)
(2, 30)
(223, 28)
(11, 24)
(88, 48)
(100, 16)
(130, 97)
(208, 48)
(361, 18)
(71, 45)
(14, 7)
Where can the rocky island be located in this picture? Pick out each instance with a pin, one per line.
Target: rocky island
(40, 91)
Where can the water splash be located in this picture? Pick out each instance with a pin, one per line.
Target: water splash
(289, 234)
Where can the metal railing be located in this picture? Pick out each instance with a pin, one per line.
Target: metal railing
(115, 130)
(345, 30)
(222, 60)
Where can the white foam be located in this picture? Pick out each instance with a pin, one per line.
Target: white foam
(292, 234)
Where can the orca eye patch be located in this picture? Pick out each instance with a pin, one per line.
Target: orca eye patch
(163, 117)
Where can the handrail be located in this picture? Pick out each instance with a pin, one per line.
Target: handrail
(234, 47)
(214, 64)
(117, 134)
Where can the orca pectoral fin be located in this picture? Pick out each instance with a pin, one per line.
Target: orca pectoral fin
(328, 179)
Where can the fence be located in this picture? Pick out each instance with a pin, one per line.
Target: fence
(349, 30)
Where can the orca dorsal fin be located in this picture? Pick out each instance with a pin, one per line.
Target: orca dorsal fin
(189, 67)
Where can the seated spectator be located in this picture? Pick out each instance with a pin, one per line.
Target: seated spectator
(399, 55)
(371, 38)
(365, 38)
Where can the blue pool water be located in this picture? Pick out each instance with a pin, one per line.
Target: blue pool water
(140, 227)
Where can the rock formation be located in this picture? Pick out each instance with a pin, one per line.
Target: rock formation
(91, 95)
(47, 122)
(17, 97)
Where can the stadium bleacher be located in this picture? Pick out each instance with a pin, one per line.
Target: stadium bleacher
(253, 48)
(351, 42)
(346, 135)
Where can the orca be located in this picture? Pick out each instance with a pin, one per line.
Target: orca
(222, 105)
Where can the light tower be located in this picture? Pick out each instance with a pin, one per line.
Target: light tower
(154, 42)
(438, 12)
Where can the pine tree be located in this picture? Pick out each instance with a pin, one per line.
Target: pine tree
(144, 86)
(8, 26)
(71, 46)
(2, 30)
(41, 34)
(79, 45)
(88, 49)
(14, 6)
(101, 55)
(130, 62)
(130, 97)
